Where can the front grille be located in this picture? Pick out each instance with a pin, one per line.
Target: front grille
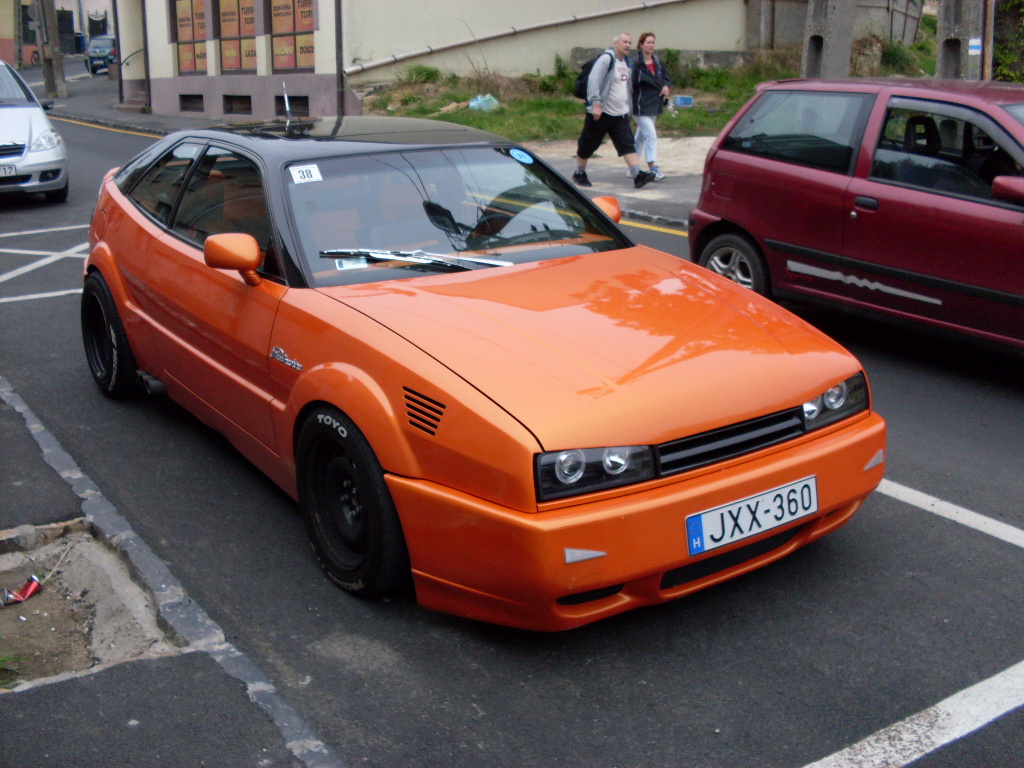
(728, 442)
(424, 412)
(12, 150)
(15, 179)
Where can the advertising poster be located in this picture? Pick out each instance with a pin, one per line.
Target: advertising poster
(183, 10)
(247, 8)
(282, 17)
(248, 53)
(229, 18)
(186, 57)
(230, 55)
(304, 21)
(284, 52)
(304, 58)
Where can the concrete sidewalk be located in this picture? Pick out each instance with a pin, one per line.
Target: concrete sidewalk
(94, 98)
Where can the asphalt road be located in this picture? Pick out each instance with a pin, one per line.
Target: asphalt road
(895, 613)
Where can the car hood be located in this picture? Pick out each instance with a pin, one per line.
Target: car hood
(21, 124)
(618, 348)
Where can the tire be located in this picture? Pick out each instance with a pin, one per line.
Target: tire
(110, 359)
(348, 511)
(58, 195)
(737, 258)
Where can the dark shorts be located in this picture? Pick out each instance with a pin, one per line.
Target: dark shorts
(617, 128)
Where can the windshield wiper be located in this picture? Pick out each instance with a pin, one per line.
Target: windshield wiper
(413, 257)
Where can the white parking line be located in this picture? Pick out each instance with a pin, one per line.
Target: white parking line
(962, 713)
(43, 231)
(928, 730)
(74, 251)
(33, 296)
(1000, 530)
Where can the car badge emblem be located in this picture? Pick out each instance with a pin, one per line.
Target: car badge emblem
(278, 354)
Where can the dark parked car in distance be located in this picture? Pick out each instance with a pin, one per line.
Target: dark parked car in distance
(98, 54)
(903, 198)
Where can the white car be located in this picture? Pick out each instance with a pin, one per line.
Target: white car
(33, 157)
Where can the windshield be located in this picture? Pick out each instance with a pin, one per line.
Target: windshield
(1017, 110)
(11, 89)
(481, 206)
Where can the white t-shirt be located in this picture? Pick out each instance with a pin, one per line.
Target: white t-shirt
(617, 102)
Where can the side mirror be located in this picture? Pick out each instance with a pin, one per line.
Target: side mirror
(233, 250)
(441, 217)
(1009, 189)
(610, 206)
(46, 104)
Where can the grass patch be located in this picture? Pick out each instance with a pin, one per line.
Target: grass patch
(539, 107)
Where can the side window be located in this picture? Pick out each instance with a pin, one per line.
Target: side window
(940, 153)
(157, 189)
(812, 128)
(224, 194)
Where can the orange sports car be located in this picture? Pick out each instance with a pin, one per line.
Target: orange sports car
(471, 380)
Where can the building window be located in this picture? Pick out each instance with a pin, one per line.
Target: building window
(238, 35)
(190, 28)
(292, 25)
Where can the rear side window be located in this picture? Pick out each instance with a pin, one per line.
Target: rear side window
(811, 128)
(943, 149)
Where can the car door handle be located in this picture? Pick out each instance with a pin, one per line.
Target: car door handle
(869, 203)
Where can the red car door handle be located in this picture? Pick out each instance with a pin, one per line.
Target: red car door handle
(866, 202)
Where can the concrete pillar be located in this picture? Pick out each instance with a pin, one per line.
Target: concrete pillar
(828, 38)
(958, 42)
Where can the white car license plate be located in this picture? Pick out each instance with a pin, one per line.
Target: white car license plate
(8, 170)
(750, 516)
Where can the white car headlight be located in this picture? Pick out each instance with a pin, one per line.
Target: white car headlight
(585, 470)
(844, 399)
(48, 139)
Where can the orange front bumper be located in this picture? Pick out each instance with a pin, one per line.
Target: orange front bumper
(479, 560)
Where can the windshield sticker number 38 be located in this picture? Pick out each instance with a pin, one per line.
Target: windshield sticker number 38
(305, 173)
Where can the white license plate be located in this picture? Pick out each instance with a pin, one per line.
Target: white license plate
(8, 170)
(750, 516)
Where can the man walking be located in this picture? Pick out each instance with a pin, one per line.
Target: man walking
(609, 102)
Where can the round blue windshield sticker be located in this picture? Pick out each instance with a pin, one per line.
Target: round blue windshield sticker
(522, 157)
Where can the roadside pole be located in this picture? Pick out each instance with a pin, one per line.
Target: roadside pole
(51, 58)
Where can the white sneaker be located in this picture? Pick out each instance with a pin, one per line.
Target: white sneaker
(658, 175)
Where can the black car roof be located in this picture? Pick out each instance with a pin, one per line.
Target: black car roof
(285, 140)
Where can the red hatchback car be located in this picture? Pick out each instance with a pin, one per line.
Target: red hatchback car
(904, 198)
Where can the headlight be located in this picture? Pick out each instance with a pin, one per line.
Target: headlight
(585, 470)
(48, 139)
(844, 399)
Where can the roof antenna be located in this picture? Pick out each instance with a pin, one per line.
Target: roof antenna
(287, 107)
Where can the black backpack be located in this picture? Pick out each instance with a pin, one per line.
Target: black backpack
(579, 90)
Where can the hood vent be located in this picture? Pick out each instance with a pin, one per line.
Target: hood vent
(424, 412)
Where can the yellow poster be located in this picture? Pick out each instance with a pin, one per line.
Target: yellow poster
(284, 52)
(304, 21)
(230, 55)
(304, 57)
(283, 13)
(198, 19)
(200, 57)
(183, 9)
(228, 18)
(247, 8)
(186, 57)
(248, 53)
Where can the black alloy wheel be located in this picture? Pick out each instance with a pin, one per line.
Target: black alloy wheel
(110, 358)
(348, 511)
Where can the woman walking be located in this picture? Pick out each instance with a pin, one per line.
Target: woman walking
(650, 94)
